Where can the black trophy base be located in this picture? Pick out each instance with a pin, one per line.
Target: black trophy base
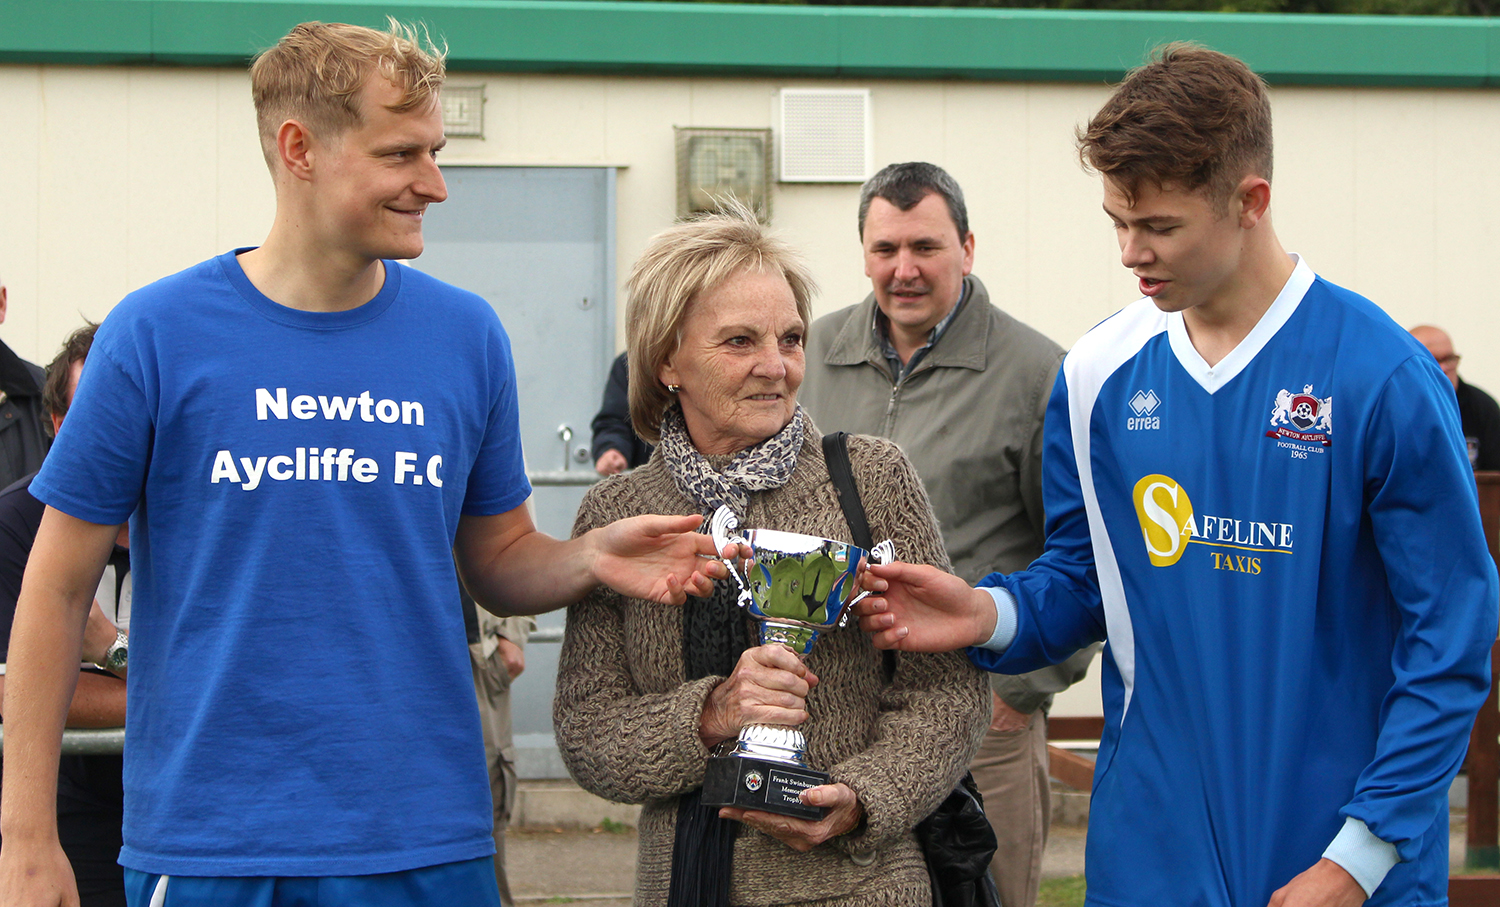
(761, 784)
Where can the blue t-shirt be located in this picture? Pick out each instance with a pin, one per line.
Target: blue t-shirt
(1284, 552)
(300, 694)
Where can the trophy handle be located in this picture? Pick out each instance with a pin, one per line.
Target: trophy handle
(883, 553)
(721, 524)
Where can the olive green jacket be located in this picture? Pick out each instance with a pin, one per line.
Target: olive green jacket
(969, 416)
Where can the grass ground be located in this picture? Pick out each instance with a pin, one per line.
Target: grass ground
(1064, 892)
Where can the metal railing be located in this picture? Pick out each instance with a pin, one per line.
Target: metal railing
(563, 477)
(77, 741)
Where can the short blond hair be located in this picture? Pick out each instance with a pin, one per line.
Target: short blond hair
(316, 72)
(679, 265)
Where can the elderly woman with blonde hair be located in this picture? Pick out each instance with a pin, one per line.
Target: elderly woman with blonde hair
(647, 692)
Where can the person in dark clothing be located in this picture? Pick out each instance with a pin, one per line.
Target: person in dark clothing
(23, 437)
(1478, 411)
(616, 446)
(89, 793)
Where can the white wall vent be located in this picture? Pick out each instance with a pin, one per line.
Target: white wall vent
(825, 135)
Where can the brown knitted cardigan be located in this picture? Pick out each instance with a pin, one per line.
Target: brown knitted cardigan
(627, 723)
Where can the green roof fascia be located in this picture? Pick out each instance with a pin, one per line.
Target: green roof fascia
(720, 39)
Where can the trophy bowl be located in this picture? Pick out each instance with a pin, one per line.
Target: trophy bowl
(796, 587)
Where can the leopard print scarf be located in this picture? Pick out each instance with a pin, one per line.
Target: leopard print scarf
(766, 465)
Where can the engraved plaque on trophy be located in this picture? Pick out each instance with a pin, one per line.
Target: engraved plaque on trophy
(797, 587)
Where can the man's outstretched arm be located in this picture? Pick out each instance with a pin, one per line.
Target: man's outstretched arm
(42, 668)
(511, 568)
(920, 609)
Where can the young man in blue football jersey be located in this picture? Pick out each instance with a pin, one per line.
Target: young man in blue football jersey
(304, 435)
(1298, 604)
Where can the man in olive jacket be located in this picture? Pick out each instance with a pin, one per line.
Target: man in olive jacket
(927, 361)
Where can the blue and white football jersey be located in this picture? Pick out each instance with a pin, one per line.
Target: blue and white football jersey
(1284, 553)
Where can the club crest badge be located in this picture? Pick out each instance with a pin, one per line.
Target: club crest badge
(753, 780)
(1302, 417)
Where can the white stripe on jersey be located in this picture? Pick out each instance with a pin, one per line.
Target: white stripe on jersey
(1096, 356)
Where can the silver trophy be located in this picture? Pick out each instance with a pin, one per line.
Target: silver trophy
(796, 587)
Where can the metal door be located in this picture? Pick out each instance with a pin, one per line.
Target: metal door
(538, 243)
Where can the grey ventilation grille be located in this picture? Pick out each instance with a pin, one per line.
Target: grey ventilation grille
(463, 110)
(718, 164)
(825, 135)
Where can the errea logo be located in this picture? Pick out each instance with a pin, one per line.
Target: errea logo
(1143, 404)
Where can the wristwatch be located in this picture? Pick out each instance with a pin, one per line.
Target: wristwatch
(117, 655)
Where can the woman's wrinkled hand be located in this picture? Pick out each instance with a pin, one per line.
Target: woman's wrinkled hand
(769, 685)
(844, 814)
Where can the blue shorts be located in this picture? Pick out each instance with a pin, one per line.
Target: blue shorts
(467, 883)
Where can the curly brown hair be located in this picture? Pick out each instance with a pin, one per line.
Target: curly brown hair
(1191, 117)
(57, 392)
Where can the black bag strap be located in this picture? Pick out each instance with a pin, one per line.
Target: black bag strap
(957, 840)
(841, 471)
(836, 452)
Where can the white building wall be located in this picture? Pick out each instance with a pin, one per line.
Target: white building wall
(114, 177)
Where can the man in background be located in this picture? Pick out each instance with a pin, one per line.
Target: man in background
(497, 656)
(1476, 409)
(89, 795)
(929, 362)
(23, 433)
(616, 446)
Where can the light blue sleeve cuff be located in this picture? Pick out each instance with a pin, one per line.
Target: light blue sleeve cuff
(1005, 619)
(1362, 855)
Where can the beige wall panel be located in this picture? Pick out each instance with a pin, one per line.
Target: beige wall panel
(173, 159)
(245, 201)
(1394, 204)
(1389, 191)
(561, 118)
(1316, 172)
(1073, 274)
(638, 133)
(1041, 246)
(736, 103)
(83, 219)
(20, 249)
(820, 221)
(908, 120)
(1463, 283)
(985, 148)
